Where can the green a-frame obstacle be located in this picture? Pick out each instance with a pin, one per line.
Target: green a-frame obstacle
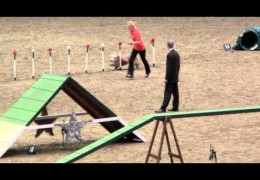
(39, 95)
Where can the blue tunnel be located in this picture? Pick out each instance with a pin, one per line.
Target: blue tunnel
(249, 39)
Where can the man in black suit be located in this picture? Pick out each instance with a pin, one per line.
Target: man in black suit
(171, 79)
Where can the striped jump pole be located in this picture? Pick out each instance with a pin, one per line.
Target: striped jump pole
(33, 51)
(69, 50)
(153, 49)
(120, 54)
(14, 53)
(86, 58)
(103, 56)
(50, 61)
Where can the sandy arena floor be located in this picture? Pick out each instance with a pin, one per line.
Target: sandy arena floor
(210, 78)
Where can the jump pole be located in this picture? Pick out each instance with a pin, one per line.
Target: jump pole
(86, 58)
(87, 121)
(153, 50)
(69, 50)
(14, 53)
(103, 56)
(50, 61)
(120, 54)
(33, 51)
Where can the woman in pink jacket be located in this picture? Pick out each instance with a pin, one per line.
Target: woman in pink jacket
(138, 48)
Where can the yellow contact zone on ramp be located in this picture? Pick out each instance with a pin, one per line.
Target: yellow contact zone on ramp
(9, 133)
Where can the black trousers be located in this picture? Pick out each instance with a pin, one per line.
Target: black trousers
(171, 89)
(132, 58)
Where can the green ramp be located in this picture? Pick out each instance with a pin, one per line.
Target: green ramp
(26, 109)
(145, 120)
(39, 95)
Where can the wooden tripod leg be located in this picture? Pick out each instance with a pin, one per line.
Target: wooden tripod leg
(161, 143)
(167, 119)
(176, 141)
(152, 141)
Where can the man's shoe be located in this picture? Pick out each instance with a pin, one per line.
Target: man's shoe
(159, 111)
(129, 76)
(173, 109)
(147, 75)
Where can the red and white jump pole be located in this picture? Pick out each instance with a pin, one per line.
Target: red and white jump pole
(14, 53)
(103, 56)
(86, 59)
(50, 61)
(120, 54)
(69, 50)
(33, 51)
(152, 42)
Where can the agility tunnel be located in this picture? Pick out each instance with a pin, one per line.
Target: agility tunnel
(249, 39)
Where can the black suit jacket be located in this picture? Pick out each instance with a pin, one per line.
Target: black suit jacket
(172, 66)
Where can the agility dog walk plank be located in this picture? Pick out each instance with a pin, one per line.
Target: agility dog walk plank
(211, 112)
(147, 119)
(27, 108)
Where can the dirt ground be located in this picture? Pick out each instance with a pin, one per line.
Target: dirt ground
(210, 78)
